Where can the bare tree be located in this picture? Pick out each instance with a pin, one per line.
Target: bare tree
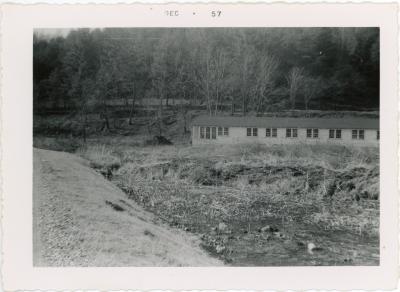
(311, 88)
(204, 77)
(219, 78)
(243, 70)
(181, 84)
(81, 87)
(159, 77)
(211, 77)
(264, 83)
(294, 80)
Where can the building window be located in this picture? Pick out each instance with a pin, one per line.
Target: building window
(357, 134)
(271, 132)
(291, 133)
(354, 134)
(214, 133)
(201, 132)
(312, 133)
(207, 132)
(226, 131)
(335, 134)
(219, 131)
(255, 132)
(377, 135)
(248, 131)
(361, 134)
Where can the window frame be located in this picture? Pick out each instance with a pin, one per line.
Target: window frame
(338, 134)
(309, 133)
(226, 131)
(213, 133)
(255, 132)
(361, 134)
(354, 134)
(202, 132)
(288, 132)
(248, 132)
(312, 133)
(220, 131)
(292, 133)
(378, 135)
(208, 133)
(271, 132)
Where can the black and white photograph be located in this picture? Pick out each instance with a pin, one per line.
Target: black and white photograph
(208, 146)
(199, 146)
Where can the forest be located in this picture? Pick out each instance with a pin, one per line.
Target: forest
(230, 70)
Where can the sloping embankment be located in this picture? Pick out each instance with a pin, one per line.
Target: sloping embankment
(80, 219)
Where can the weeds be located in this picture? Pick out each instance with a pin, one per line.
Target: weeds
(327, 188)
(284, 181)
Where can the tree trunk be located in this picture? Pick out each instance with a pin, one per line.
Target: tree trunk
(132, 106)
(84, 125)
(160, 114)
(244, 105)
(293, 101)
(184, 110)
(131, 111)
(184, 122)
(216, 102)
(106, 122)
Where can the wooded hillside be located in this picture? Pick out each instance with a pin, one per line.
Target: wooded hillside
(233, 69)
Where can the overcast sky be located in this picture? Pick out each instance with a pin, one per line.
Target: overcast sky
(52, 32)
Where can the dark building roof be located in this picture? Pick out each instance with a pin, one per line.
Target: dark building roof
(279, 122)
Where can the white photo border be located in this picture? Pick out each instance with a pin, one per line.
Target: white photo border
(17, 25)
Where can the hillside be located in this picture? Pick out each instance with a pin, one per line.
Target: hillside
(80, 219)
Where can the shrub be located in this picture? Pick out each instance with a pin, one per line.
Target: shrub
(101, 158)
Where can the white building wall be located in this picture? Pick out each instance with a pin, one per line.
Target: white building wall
(239, 135)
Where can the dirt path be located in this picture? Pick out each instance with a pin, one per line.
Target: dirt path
(80, 219)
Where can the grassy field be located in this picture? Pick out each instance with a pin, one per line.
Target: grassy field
(253, 204)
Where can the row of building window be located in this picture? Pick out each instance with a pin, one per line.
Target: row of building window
(269, 132)
(311, 133)
(211, 132)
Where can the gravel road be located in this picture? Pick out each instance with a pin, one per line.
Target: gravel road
(80, 219)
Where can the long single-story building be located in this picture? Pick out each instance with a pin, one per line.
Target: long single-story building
(278, 130)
